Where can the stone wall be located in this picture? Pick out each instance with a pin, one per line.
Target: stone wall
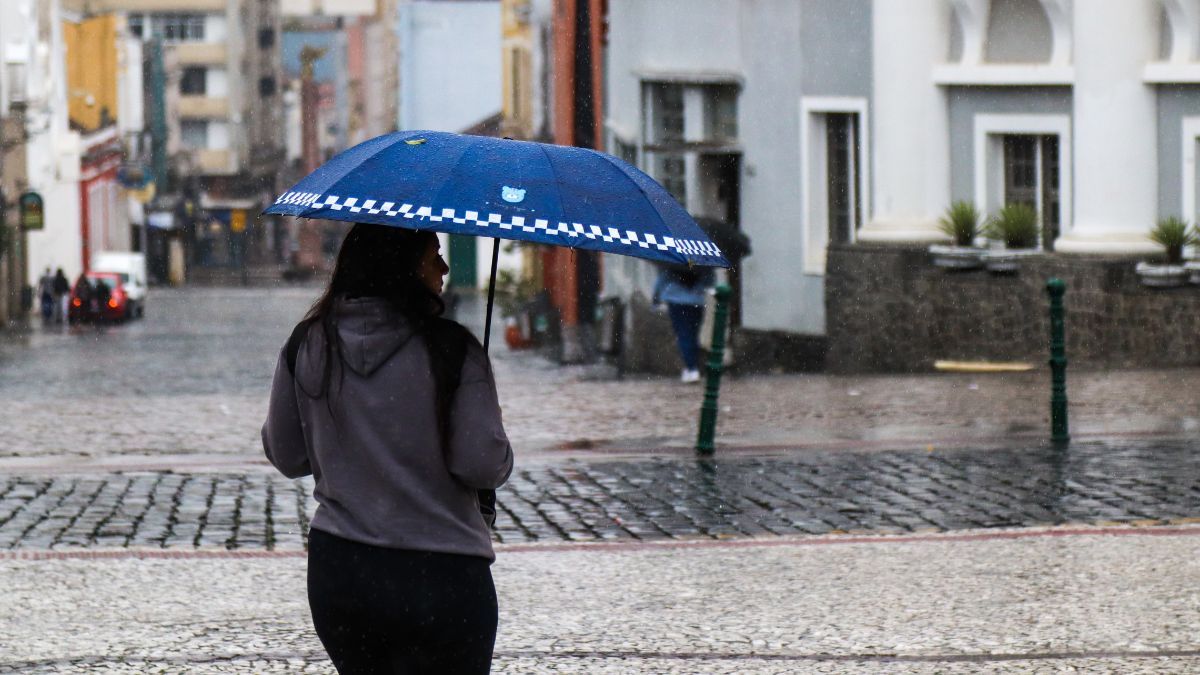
(650, 346)
(649, 341)
(888, 309)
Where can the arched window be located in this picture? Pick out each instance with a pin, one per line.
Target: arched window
(1179, 32)
(1018, 31)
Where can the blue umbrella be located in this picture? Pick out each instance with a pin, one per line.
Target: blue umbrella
(505, 189)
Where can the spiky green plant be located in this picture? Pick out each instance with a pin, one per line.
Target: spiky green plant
(960, 222)
(1014, 224)
(1172, 234)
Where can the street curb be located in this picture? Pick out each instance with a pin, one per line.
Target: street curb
(600, 453)
(1075, 530)
(960, 536)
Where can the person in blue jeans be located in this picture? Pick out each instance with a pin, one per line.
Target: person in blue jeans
(682, 289)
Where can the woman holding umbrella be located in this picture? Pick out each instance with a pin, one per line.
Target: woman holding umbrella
(394, 412)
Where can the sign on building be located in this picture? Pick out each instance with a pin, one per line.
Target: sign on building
(32, 211)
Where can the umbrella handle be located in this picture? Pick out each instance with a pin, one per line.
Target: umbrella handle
(487, 322)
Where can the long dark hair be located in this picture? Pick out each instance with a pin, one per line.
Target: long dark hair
(377, 261)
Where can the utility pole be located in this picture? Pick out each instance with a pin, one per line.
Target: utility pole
(158, 116)
(573, 276)
(1060, 434)
(308, 231)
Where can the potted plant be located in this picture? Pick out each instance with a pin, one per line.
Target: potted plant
(1193, 266)
(1015, 226)
(960, 223)
(514, 294)
(1173, 235)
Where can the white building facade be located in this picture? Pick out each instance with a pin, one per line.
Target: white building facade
(862, 120)
(449, 63)
(450, 80)
(34, 73)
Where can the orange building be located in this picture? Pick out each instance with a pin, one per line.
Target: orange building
(573, 277)
(92, 70)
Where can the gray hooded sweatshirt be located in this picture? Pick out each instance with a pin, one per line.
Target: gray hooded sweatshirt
(382, 474)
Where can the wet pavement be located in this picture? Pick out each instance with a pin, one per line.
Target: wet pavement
(1096, 601)
(846, 524)
(189, 384)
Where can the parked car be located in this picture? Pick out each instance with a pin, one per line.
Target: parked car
(99, 296)
(132, 269)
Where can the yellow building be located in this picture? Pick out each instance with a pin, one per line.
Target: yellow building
(92, 71)
(516, 43)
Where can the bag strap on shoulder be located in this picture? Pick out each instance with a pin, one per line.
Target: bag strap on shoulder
(451, 338)
(293, 345)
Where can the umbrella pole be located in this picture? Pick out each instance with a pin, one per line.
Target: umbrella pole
(487, 322)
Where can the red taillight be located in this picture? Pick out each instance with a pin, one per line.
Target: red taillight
(112, 302)
(77, 302)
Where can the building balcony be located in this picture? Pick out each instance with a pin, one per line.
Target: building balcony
(203, 107)
(200, 53)
(191, 6)
(215, 162)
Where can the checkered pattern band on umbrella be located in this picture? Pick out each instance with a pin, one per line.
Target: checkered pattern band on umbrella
(497, 224)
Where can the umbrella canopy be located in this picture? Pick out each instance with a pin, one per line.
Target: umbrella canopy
(492, 187)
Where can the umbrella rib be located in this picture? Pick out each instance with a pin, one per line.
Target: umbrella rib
(401, 136)
(557, 189)
(437, 199)
(644, 194)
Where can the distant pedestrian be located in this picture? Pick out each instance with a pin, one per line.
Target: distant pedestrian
(682, 289)
(102, 293)
(394, 411)
(62, 295)
(46, 295)
(85, 296)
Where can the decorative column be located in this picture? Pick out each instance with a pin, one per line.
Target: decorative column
(1115, 129)
(910, 152)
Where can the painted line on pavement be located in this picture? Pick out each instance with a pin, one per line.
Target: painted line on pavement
(840, 539)
(147, 554)
(639, 546)
(843, 658)
(625, 655)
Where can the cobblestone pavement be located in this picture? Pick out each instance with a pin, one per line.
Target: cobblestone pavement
(1110, 601)
(807, 493)
(192, 380)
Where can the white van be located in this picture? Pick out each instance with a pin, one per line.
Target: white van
(132, 268)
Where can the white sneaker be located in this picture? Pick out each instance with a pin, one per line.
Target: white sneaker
(689, 376)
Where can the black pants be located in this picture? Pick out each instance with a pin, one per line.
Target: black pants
(381, 610)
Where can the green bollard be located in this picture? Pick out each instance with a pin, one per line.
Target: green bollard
(1059, 429)
(712, 383)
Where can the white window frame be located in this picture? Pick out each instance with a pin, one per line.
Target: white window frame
(814, 218)
(1191, 136)
(990, 130)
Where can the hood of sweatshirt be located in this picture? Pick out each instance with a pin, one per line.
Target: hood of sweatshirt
(370, 331)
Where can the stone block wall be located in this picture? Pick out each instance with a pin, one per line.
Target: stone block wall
(650, 346)
(888, 309)
(649, 341)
